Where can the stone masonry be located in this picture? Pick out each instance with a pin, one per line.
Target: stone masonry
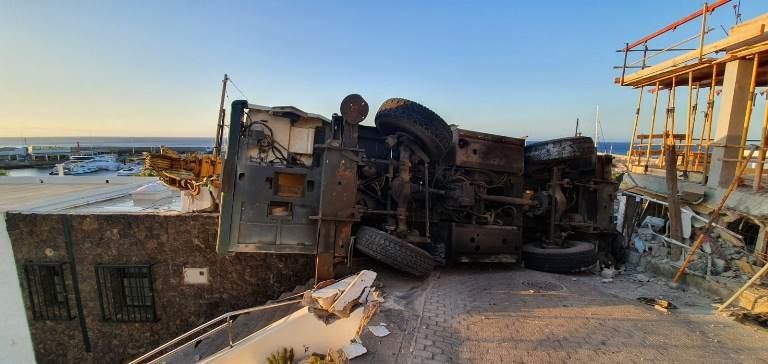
(169, 242)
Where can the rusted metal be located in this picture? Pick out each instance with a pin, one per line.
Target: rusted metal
(558, 207)
(677, 23)
(354, 109)
(488, 151)
(312, 200)
(486, 242)
(509, 200)
(338, 198)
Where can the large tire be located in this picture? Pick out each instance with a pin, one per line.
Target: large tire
(577, 256)
(417, 121)
(394, 252)
(559, 150)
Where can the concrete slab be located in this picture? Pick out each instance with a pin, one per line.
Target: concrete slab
(55, 193)
(742, 200)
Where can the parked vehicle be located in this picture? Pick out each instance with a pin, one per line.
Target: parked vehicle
(106, 162)
(130, 170)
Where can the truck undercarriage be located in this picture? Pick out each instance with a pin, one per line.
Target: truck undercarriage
(411, 191)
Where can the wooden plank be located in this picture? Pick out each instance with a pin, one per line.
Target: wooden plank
(659, 136)
(665, 76)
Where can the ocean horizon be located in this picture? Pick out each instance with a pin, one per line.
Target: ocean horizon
(123, 142)
(187, 142)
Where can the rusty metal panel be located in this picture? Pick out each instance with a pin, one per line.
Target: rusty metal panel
(337, 208)
(487, 151)
(486, 243)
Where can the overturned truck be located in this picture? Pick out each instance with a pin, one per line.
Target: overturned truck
(411, 192)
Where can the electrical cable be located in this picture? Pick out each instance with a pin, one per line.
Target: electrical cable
(237, 88)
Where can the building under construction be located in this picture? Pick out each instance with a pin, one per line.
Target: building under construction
(704, 152)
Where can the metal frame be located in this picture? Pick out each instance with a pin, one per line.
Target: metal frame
(39, 298)
(114, 297)
(160, 354)
(319, 222)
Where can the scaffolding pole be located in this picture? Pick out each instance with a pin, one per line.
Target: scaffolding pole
(669, 123)
(707, 127)
(688, 113)
(694, 110)
(763, 145)
(634, 128)
(653, 121)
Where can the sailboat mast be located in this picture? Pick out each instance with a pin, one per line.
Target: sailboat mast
(597, 126)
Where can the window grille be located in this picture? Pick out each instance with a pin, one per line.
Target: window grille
(47, 291)
(126, 293)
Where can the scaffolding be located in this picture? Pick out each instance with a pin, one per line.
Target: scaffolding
(700, 74)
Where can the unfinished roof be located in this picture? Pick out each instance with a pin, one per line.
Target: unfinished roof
(745, 40)
(56, 193)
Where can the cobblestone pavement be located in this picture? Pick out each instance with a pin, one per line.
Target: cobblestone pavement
(498, 315)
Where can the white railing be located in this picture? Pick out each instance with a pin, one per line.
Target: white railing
(172, 347)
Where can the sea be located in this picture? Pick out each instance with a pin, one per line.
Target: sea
(619, 148)
(120, 142)
(115, 142)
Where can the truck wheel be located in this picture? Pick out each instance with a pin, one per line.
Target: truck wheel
(577, 255)
(394, 252)
(558, 150)
(419, 122)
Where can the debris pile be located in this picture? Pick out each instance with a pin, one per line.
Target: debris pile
(722, 254)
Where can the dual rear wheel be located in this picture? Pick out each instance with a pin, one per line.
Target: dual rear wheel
(435, 137)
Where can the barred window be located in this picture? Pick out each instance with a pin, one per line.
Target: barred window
(125, 293)
(47, 291)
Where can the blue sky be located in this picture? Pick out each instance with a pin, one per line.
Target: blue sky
(137, 68)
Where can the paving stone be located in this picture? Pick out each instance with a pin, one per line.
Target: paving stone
(474, 315)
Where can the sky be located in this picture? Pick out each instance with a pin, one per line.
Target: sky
(154, 68)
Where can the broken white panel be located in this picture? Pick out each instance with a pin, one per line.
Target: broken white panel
(352, 293)
(196, 276)
(379, 330)
(203, 201)
(353, 350)
(687, 220)
(327, 295)
(302, 140)
(301, 330)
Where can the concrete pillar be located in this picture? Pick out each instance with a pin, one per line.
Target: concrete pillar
(730, 121)
(15, 339)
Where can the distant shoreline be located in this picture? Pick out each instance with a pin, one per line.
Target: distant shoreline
(120, 142)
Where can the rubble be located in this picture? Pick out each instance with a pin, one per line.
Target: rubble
(659, 304)
(353, 350)
(641, 278)
(379, 330)
(728, 260)
(608, 273)
(334, 315)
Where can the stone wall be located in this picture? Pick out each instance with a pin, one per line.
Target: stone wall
(168, 242)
